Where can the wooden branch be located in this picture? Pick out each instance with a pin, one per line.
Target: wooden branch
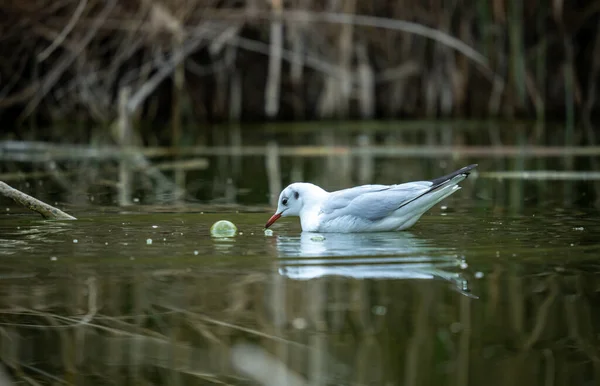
(47, 211)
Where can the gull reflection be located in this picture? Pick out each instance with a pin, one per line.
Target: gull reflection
(400, 255)
(310, 244)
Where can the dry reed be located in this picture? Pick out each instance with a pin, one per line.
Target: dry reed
(187, 61)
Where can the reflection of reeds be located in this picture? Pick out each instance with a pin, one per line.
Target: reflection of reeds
(175, 325)
(328, 146)
(295, 59)
(330, 157)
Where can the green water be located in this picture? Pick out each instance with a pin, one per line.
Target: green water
(466, 297)
(497, 285)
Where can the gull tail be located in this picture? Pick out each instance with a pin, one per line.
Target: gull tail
(462, 173)
(441, 188)
(444, 186)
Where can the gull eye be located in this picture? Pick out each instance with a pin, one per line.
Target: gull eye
(296, 195)
(284, 201)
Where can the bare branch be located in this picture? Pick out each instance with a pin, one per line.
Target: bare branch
(47, 211)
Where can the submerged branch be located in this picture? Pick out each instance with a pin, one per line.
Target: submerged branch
(47, 211)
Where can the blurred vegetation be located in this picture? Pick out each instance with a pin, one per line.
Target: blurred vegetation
(180, 63)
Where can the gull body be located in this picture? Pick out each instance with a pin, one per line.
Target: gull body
(365, 208)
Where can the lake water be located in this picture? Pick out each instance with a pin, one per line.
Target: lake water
(497, 285)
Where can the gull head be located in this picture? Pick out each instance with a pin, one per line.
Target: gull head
(294, 198)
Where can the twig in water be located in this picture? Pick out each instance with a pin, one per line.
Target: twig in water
(47, 211)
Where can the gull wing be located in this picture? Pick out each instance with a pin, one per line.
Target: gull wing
(375, 202)
(372, 202)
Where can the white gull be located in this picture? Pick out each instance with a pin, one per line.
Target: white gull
(366, 208)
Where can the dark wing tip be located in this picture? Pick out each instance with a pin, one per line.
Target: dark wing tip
(440, 180)
(466, 170)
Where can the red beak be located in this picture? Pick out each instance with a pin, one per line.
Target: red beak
(273, 218)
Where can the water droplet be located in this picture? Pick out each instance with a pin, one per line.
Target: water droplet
(456, 327)
(53, 258)
(196, 253)
(379, 310)
(478, 275)
(578, 228)
(106, 243)
(464, 265)
(268, 232)
(136, 199)
(299, 323)
(75, 241)
(154, 226)
(149, 241)
(444, 207)
(8, 209)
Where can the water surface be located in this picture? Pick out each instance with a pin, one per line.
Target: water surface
(497, 285)
(467, 296)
